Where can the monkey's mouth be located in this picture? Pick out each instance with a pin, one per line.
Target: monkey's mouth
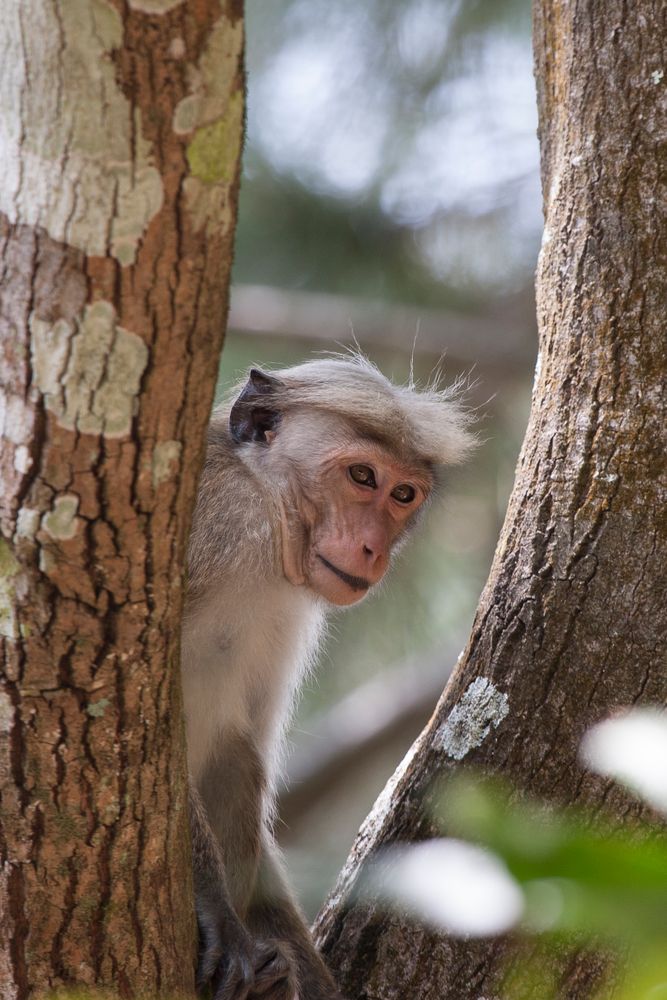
(356, 582)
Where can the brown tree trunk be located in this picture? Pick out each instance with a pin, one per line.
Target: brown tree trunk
(573, 620)
(120, 133)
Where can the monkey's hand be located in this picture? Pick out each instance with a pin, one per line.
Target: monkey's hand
(275, 976)
(238, 967)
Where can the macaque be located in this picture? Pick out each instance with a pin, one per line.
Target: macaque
(313, 477)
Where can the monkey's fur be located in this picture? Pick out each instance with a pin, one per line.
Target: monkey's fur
(313, 475)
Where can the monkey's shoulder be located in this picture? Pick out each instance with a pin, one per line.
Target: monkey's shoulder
(225, 474)
(233, 529)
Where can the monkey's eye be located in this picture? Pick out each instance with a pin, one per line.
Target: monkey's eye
(362, 474)
(404, 493)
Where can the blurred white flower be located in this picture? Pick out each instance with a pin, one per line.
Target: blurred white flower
(633, 749)
(453, 886)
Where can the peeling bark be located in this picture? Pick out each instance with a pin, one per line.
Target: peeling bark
(117, 210)
(572, 622)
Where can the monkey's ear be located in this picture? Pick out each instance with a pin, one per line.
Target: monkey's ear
(252, 415)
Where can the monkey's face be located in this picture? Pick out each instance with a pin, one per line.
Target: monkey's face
(359, 506)
(345, 500)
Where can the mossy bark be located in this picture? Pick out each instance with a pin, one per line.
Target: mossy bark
(572, 623)
(116, 253)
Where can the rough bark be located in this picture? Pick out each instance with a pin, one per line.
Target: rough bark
(121, 131)
(572, 622)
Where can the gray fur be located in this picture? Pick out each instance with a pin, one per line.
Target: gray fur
(430, 423)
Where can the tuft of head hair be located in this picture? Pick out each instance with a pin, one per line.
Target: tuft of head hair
(431, 422)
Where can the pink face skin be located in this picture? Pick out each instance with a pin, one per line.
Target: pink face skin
(365, 500)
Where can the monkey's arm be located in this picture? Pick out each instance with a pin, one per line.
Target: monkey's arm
(274, 913)
(233, 961)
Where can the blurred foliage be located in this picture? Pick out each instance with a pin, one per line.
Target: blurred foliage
(326, 244)
(391, 148)
(588, 884)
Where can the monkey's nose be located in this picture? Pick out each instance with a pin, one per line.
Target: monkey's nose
(374, 556)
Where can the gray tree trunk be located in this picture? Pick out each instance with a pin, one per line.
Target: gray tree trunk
(573, 620)
(120, 131)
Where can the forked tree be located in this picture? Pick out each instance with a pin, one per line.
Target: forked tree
(573, 620)
(121, 134)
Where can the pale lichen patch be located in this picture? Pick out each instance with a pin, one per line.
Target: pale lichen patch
(61, 522)
(89, 376)
(27, 523)
(140, 197)
(96, 709)
(187, 114)
(47, 562)
(165, 460)
(481, 709)
(211, 81)
(154, 6)
(176, 48)
(17, 420)
(538, 371)
(9, 571)
(22, 459)
(213, 111)
(6, 713)
(74, 161)
(208, 205)
(9, 565)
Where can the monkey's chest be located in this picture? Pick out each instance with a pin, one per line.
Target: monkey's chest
(240, 671)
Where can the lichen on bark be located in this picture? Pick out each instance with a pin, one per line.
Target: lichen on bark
(77, 167)
(90, 372)
(112, 310)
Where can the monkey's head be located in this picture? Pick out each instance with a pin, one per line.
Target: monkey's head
(350, 459)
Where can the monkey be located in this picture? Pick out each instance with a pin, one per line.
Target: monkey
(313, 477)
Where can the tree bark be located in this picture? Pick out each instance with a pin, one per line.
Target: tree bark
(572, 622)
(121, 131)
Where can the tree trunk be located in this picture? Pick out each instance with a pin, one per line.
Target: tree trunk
(573, 620)
(121, 132)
